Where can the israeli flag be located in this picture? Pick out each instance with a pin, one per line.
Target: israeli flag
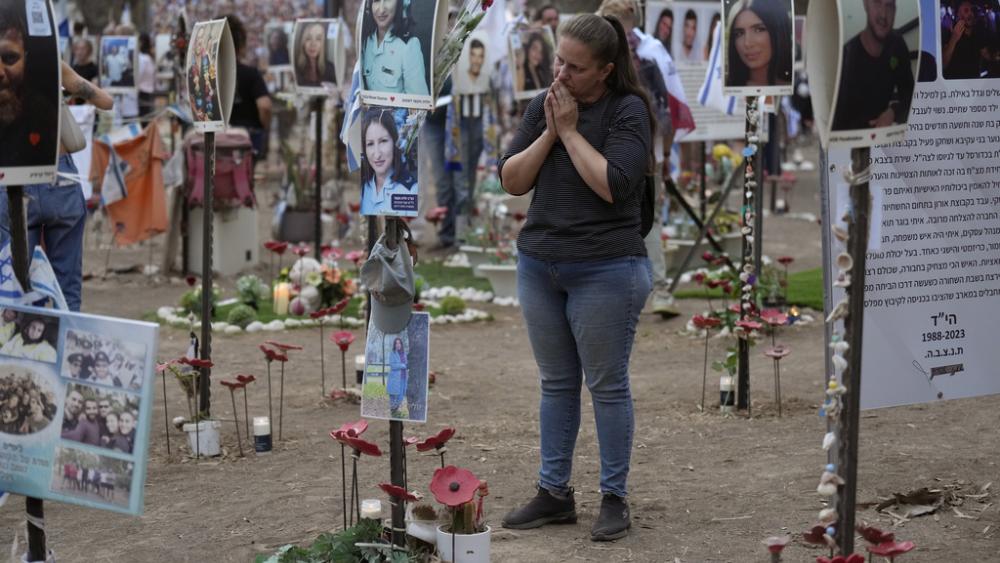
(44, 284)
(710, 94)
(10, 288)
(350, 133)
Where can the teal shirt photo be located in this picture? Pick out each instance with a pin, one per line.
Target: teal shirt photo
(379, 202)
(395, 66)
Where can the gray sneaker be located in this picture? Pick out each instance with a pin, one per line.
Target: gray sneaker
(663, 305)
(545, 508)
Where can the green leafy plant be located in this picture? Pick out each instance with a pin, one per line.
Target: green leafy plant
(453, 305)
(241, 315)
(359, 543)
(252, 291)
(191, 300)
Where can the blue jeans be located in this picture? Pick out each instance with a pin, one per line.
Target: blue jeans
(472, 148)
(57, 213)
(581, 319)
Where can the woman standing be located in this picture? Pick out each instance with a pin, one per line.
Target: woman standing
(760, 44)
(583, 275)
(537, 65)
(383, 172)
(396, 387)
(311, 66)
(391, 58)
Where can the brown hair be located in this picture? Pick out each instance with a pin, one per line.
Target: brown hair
(608, 43)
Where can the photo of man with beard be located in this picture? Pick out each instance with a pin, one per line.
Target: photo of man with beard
(29, 95)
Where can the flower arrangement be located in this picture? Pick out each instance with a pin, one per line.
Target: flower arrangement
(332, 283)
(456, 488)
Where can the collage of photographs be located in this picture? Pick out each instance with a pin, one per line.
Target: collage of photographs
(103, 377)
(202, 75)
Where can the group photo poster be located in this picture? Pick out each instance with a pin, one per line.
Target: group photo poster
(317, 56)
(211, 75)
(471, 74)
(931, 282)
(396, 48)
(759, 47)
(389, 168)
(119, 63)
(29, 94)
(396, 366)
(861, 98)
(76, 396)
(533, 52)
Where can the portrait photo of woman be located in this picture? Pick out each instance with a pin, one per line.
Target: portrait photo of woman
(315, 52)
(395, 48)
(388, 186)
(277, 45)
(533, 52)
(759, 53)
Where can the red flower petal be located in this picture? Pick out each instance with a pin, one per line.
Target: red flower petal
(363, 446)
(749, 325)
(245, 379)
(891, 548)
(354, 207)
(453, 486)
(353, 429)
(339, 306)
(776, 543)
(355, 256)
(437, 440)
(778, 352)
(197, 362)
(191, 280)
(233, 385)
(398, 493)
(774, 317)
(705, 322)
(410, 441)
(815, 535)
(874, 535)
(785, 260)
(342, 339)
(269, 354)
(281, 346)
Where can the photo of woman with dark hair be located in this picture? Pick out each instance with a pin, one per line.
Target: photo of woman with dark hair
(387, 185)
(277, 47)
(759, 35)
(313, 64)
(396, 387)
(536, 63)
(35, 340)
(392, 56)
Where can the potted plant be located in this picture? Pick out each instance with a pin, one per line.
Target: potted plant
(295, 217)
(466, 534)
(502, 272)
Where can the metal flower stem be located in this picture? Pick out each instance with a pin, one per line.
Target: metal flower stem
(166, 417)
(281, 401)
(270, 404)
(354, 485)
(322, 360)
(197, 416)
(246, 413)
(777, 384)
(704, 373)
(343, 483)
(236, 421)
(343, 368)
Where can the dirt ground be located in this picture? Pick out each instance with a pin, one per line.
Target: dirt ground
(704, 487)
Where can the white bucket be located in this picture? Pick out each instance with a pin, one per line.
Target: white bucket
(471, 548)
(205, 439)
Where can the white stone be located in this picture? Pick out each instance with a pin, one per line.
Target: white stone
(292, 323)
(255, 326)
(275, 325)
(233, 329)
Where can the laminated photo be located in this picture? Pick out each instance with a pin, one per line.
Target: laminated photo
(970, 39)
(396, 365)
(29, 93)
(74, 429)
(388, 167)
(279, 40)
(533, 52)
(317, 56)
(685, 28)
(472, 74)
(758, 47)
(119, 63)
(211, 75)
(396, 45)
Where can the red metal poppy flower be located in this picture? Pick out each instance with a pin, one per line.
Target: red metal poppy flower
(727, 287)
(269, 354)
(410, 441)
(339, 306)
(354, 207)
(777, 352)
(705, 322)
(776, 543)
(342, 339)
(774, 317)
(734, 308)
(361, 446)
(873, 535)
(196, 362)
(699, 278)
(419, 307)
(453, 486)
(815, 535)
(275, 246)
(785, 260)
(233, 385)
(281, 346)
(749, 325)
(891, 549)
(398, 493)
(331, 252)
(245, 379)
(355, 256)
(162, 366)
(353, 429)
(436, 441)
(191, 280)
(712, 284)
(708, 256)
(302, 250)
(486, 4)
(319, 313)
(852, 558)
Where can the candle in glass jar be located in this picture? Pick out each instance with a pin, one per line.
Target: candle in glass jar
(359, 368)
(282, 293)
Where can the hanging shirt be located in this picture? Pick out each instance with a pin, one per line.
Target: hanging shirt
(395, 65)
(147, 74)
(143, 213)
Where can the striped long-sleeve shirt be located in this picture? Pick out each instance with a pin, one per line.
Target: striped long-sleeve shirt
(567, 221)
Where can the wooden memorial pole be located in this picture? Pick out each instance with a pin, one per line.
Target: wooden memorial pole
(857, 248)
(34, 508)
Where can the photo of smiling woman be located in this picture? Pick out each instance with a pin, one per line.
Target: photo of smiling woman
(388, 177)
(759, 39)
(314, 54)
(532, 51)
(395, 52)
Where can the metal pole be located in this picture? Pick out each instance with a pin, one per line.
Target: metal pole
(751, 167)
(758, 218)
(318, 224)
(857, 247)
(704, 182)
(396, 430)
(206, 274)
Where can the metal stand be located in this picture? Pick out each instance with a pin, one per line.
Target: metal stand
(19, 257)
(857, 247)
(396, 454)
(751, 250)
(318, 224)
(206, 276)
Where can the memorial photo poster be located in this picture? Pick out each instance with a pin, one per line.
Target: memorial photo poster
(317, 56)
(800, 45)
(119, 62)
(279, 45)
(75, 401)
(759, 39)
(388, 168)
(862, 98)
(933, 264)
(970, 39)
(472, 75)
(532, 51)
(211, 75)
(29, 93)
(396, 366)
(396, 45)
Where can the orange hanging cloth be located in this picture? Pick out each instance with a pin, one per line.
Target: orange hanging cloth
(142, 214)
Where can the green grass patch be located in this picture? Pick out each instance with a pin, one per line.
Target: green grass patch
(805, 289)
(436, 274)
(265, 312)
